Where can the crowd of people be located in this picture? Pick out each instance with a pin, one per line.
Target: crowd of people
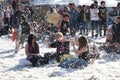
(58, 24)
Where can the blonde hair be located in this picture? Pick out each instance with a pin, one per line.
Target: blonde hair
(58, 34)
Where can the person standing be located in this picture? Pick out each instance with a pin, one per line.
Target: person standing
(73, 18)
(64, 28)
(103, 18)
(16, 27)
(94, 19)
(25, 30)
(83, 19)
(118, 9)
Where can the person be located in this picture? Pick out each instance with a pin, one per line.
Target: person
(14, 5)
(32, 52)
(16, 25)
(109, 45)
(62, 45)
(94, 19)
(83, 55)
(64, 28)
(118, 9)
(7, 15)
(83, 48)
(25, 30)
(1, 14)
(83, 18)
(73, 19)
(116, 32)
(95, 3)
(103, 18)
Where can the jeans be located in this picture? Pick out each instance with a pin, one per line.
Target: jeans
(83, 28)
(94, 26)
(73, 63)
(73, 26)
(103, 26)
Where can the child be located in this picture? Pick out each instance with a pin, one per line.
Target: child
(64, 27)
(61, 44)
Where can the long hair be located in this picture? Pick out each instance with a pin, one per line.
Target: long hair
(30, 37)
(82, 42)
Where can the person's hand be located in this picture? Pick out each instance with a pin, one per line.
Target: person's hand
(84, 49)
(73, 43)
(46, 40)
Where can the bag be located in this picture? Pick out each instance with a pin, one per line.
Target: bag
(14, 36)
(65, 56)
(73, 63)
(47, 58)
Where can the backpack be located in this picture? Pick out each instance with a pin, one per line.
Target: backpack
(25, 28)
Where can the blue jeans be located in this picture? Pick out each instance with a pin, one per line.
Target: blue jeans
(73, 63)
(83, 26)
(73, 26)
(94, 26)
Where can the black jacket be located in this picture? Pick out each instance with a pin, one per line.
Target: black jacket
(81, 16)
(25, 28)
(17, 20)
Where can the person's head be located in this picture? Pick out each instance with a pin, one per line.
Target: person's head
(102, 3)
(82, 41)
(79, 7)
(71, 5)
(118, 6)
(95, 3)
(31, 39)
(66, 9)
(59, 36)
(118, 19)
(84, 7)
(10, 7)
(109, 36)
(92, 6)
(66, 17)
(20, 7)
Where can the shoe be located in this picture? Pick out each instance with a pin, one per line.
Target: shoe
(96, 35)
(22, 47)
(118, 52)
(16, 51)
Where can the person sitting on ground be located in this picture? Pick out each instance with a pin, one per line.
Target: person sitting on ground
(32, 51)
(82, 53)
(83, 48)
(109, 44)
(116, 33)
(62, 45)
